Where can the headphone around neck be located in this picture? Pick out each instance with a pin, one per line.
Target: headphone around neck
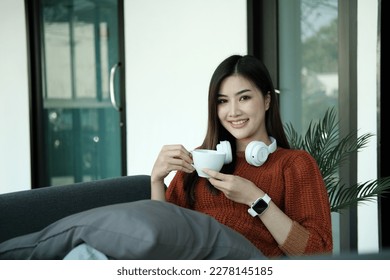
(256, 153)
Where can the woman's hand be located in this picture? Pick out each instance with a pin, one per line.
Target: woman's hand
(170, 158)
(234, 187)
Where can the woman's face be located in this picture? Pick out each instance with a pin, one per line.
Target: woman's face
(241, 110)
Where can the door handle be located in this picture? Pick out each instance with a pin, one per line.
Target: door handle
(112, 86)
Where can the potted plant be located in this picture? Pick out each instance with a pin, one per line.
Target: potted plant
(322, 141)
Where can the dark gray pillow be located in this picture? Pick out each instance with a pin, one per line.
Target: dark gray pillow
(144, 229)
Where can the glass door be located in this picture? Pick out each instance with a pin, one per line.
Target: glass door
(309, 74)
(82, 105)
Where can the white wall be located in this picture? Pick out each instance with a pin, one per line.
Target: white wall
(368, 240)
(172, 49)
(14, 112)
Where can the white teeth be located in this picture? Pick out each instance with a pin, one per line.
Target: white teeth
(239, 122)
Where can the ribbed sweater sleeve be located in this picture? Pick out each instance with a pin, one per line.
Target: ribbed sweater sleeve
(307, 204)
(296, 241)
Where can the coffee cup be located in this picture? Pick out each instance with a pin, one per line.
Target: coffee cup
(207, 159)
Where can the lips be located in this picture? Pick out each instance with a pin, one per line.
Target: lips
(238, 123)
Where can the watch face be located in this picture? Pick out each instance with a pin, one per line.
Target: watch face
(260, 206)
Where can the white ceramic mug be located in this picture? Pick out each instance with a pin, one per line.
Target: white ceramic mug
(209, 159)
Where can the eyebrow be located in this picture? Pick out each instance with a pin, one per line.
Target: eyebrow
(237, 93)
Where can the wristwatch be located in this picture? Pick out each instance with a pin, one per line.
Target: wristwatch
(259, 206)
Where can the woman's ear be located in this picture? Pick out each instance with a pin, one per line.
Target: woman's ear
(267, 100)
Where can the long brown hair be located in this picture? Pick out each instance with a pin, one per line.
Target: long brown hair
(255, 71)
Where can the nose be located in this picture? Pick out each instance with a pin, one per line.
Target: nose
(234, 109)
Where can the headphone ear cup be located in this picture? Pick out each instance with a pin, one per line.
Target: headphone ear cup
(225, 148)
(256, 153)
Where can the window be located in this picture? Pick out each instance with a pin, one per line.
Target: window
(308, 65)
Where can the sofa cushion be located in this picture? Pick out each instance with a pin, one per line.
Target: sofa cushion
(145, 229)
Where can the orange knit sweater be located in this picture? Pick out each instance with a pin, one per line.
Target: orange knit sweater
(293, 181)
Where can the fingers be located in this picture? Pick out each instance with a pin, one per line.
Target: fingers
(232, 186)
(215, 174)
(172, 158)
(177, 152)
(217, 179)
(178, 158)
(179, 165)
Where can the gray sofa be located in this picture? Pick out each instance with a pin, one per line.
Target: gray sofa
(28, 211)
(115, 218)
(46, 223)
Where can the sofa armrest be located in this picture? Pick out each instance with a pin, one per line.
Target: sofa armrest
(28, 211)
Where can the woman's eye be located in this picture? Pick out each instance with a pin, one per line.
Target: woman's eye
(220, 101)
(245, 97)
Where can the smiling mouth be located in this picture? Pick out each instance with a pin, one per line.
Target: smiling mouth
(239, 123)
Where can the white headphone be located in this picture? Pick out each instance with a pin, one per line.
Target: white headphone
(256, 153)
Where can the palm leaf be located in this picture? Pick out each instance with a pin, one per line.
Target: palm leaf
(343, 197)
(323, 142)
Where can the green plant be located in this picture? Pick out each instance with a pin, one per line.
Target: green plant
(322, 141)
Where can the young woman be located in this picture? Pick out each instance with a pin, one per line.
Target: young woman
(280, 205)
